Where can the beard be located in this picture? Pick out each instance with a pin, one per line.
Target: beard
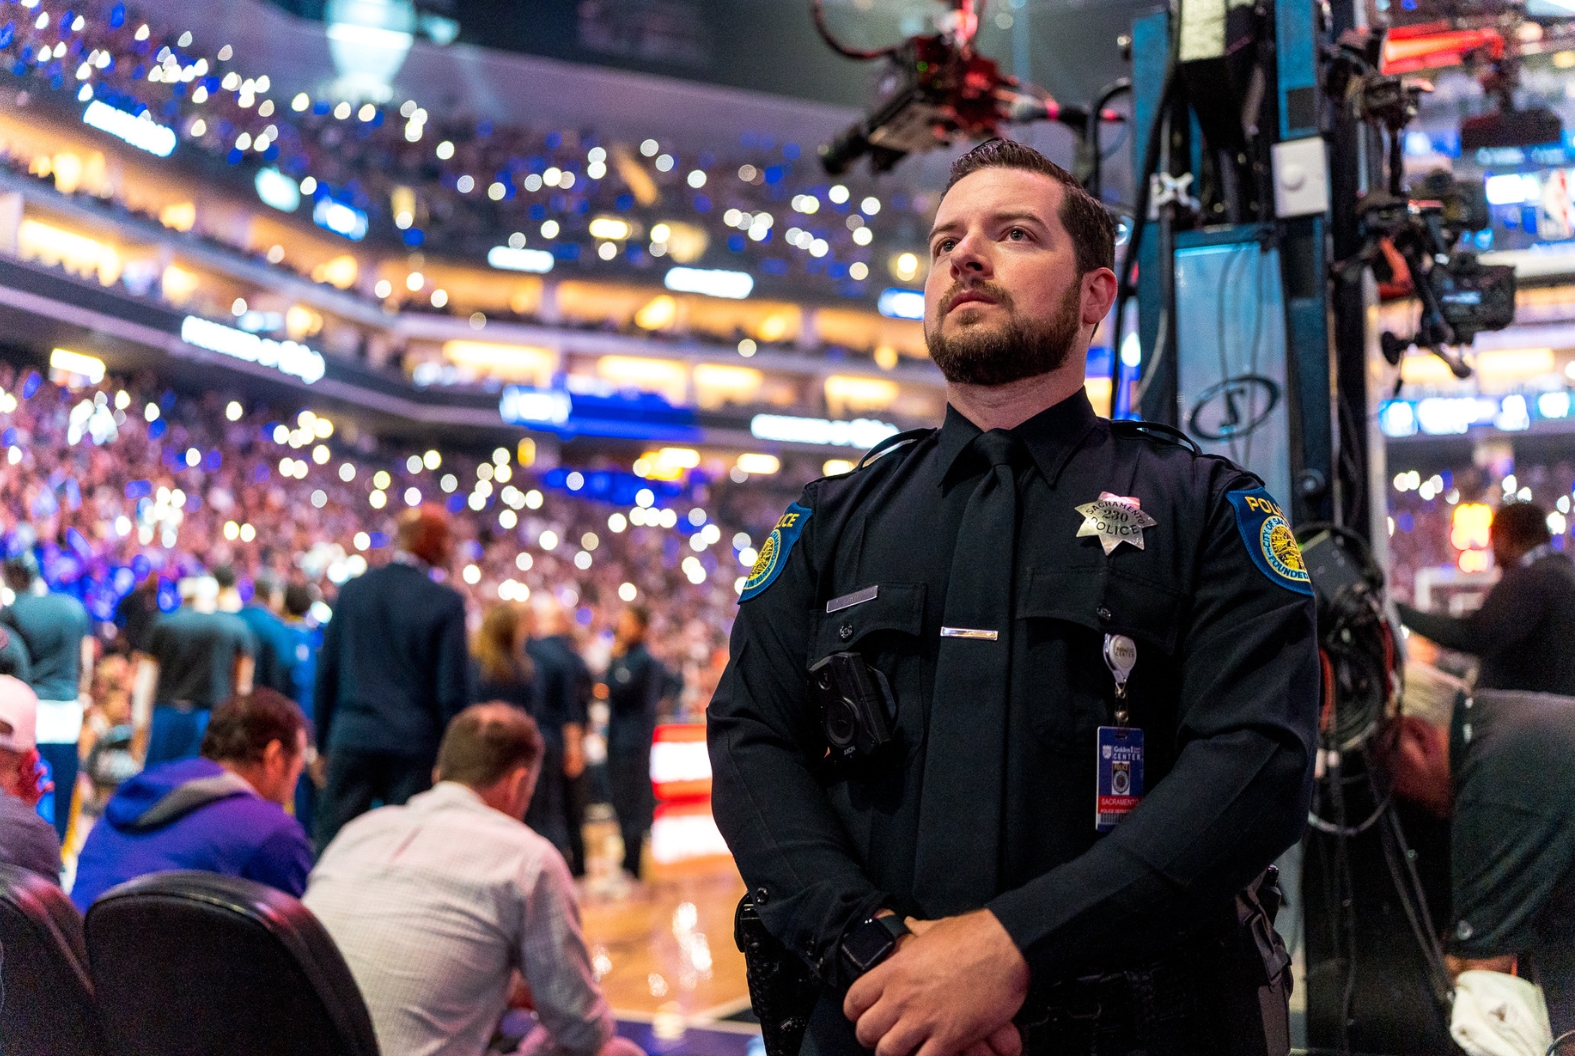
(1010, 351)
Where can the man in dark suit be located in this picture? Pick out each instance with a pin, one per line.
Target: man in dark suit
(391, 673)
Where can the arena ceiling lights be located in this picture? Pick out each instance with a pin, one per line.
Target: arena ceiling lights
(507, 258)
(141, 132)
(790, 429)
(78, 364)
(287, 357)
(732, 284)
(525, 406)
(896, 303)
(344, 220)
(278, 191)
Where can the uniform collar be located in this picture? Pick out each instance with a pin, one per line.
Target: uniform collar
(1051, 436)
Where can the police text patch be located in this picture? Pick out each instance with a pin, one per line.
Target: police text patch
(1270, 542)
(774, 551)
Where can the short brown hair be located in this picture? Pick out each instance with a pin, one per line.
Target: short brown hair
(425, 532)
(1088, 222)
(1523, 525)
(242, 726)
(485, 742)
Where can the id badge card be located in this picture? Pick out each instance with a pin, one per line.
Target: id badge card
(1119, 775)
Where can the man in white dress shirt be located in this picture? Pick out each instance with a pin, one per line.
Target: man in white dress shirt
(438, 903)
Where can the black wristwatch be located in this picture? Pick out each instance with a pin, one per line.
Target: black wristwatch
(872, 942)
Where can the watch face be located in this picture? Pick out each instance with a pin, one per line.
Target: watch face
(867, 945)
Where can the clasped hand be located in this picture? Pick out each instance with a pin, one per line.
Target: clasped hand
(950, 989)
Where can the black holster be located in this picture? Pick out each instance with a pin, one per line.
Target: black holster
(1255, 974)
(782, 990)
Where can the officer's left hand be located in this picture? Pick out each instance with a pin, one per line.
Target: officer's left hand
(955, 984)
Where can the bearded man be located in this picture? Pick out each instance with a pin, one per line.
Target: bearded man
(1020, 711)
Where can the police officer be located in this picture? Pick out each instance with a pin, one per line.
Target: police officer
(1017, 710)
(636, 684)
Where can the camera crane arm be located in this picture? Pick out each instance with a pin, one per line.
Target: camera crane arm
(939, 89)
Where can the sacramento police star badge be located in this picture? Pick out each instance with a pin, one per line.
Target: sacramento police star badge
(1114, 519)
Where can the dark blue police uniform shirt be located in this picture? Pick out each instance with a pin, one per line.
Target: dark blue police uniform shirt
(563, 684)
(1226, 688)
(635, 683)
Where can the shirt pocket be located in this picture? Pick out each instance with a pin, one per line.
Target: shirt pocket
(1064, 614)
(887, 631)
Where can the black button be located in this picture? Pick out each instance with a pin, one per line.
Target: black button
(845, 631)
(761, 896)
(1104, 613)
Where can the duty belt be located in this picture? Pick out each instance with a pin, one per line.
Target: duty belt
(1156, 1010)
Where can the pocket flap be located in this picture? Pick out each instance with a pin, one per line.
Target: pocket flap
(1104, 600)
(1063, 594)
(894, 607)
(1146, 610)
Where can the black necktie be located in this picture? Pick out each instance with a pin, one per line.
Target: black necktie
(958, 846)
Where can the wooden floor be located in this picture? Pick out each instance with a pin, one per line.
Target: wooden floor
(663, 948)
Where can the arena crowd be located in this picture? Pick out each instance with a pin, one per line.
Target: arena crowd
(132, 499)
(208, 605)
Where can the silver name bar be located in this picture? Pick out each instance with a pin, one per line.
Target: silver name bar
(970, 632)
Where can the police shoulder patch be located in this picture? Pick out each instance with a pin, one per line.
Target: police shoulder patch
(1270, 542)
(774, 551)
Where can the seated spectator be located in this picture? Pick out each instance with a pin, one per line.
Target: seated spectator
(436, 905)
(221, 813)
(26, 839)
(1501, 766)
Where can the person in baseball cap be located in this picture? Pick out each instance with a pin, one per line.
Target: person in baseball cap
(26, 839)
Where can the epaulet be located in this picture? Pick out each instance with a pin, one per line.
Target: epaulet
(891, 443)
(1165, 434)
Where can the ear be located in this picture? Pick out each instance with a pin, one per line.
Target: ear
(522, 785)
(1420, 765)
(1099, 293)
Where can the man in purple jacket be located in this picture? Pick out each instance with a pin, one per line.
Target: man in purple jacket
(221, 813)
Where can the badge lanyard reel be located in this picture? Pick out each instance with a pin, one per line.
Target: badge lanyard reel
(1119, 769)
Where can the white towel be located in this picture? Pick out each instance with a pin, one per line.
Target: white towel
(1499, 1015)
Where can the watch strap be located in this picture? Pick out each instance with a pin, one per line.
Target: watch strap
(894, 925)
(871, 942)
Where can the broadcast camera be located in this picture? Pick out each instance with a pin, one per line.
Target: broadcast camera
(1460, 296)
(936, 90)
